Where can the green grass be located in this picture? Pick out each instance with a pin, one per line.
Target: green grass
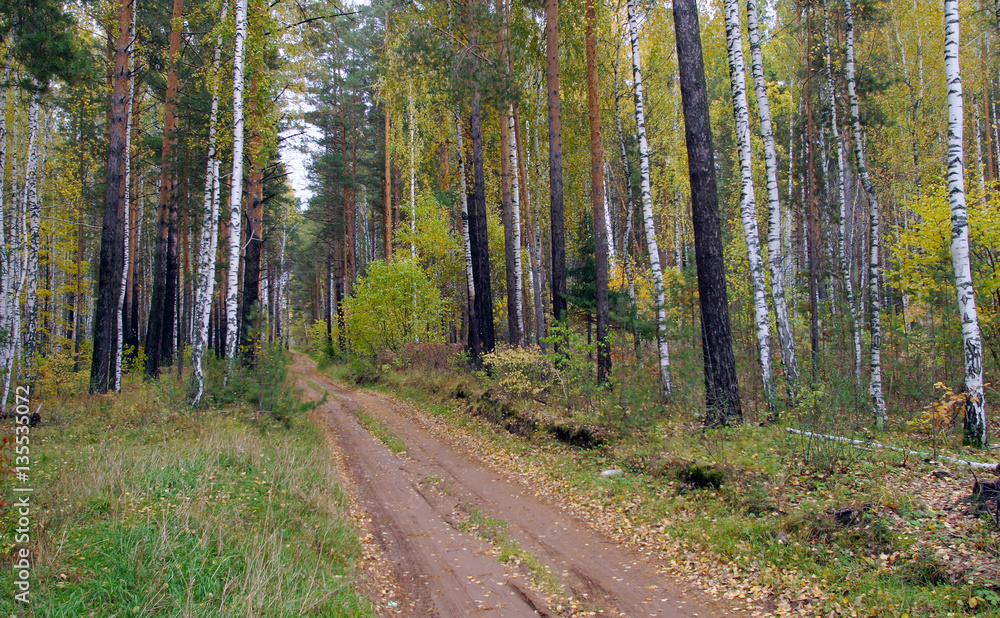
(145, 508)
(380, 431)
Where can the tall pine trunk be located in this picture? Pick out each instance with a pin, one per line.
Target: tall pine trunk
(112, 238)
(647, 206)
(557, 209)
(478, 237)
(160, 326)
(775, 254)
(598, 198)
(721, 389)
(250, 331)
(748, 202)
(975, 411)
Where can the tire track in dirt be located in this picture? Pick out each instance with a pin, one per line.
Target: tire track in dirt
(417, 501)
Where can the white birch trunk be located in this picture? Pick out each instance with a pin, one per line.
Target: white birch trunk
(874, 267)
(748, 203)
(995, 127)
(117, 384)
(32, 207)
(7, 293)
(610, 235)
(841, 249)
(515, 208)
(539, 283)
(413, 184)
(464, 197)
(534, 239)
(209, 241)
(236, 193)
(775, 253)
(647, 206)
(975, 412)
(120, 312)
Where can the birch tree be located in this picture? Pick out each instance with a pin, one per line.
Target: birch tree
(975, 411)
(236, 190)
(127, 201)
(775, 254)
(469, 275)
(32, 208)
(874, 216)
(647, 206)
(208, 243)
(748, 203)
(845, 272)
(8, 294)
(515, 212)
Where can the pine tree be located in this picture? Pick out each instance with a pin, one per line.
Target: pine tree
(721, 389)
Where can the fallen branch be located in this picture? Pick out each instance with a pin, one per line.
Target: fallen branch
(864, 443)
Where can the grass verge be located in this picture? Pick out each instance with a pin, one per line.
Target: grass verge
(143, 508)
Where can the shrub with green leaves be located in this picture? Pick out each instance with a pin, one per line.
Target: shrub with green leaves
(394, 304)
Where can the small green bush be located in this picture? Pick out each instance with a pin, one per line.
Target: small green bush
(394, 304)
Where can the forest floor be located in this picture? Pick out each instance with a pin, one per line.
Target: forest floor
(453, 528)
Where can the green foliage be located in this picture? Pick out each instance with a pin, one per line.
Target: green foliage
(923, 269)
(263, 388)
(316, 342)
(43, 37)
(394, 304)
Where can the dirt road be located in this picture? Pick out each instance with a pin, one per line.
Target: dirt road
(417, 503)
